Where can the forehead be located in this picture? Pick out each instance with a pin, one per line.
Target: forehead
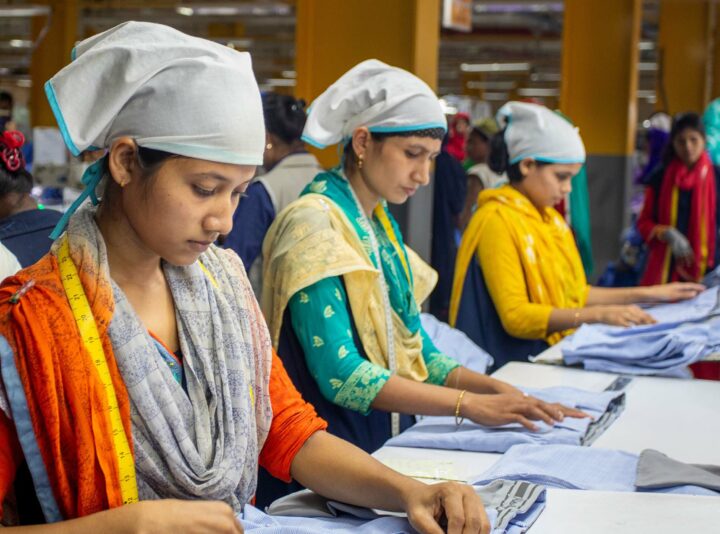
(221, 171)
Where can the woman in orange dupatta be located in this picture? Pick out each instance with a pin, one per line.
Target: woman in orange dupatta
(139, 388)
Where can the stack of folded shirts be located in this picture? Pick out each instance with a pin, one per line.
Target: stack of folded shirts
(590, 468)
(512, 507)
(686, 332)
(443, 433)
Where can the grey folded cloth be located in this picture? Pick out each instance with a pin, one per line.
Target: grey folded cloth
(657, 470)
(505, 501)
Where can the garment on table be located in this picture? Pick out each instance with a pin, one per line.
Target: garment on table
(685, 199)
(579, 468)
(512, 507)
(456, 344)
(529, 262)
(657, 470)
(26, 233)
(9, 264)
(686, 332)
(443, 433)
(264, 198)
(202, 441)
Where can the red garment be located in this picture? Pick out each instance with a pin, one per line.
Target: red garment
(706, 370)
(700, 180)
(456, 142)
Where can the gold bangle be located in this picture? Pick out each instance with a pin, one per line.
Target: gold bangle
(458, 419)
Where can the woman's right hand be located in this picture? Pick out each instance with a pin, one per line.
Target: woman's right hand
(171, 516)
(623, 315)
(504, 408)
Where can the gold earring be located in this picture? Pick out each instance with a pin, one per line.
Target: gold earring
(360, 162)
(268, 146)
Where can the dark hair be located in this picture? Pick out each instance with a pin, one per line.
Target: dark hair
(14, 177)
(480, 133)
(499, 159)
(350, 158)
(149, 160)
(681, 122)
(284, 116)
(20, 181)
(7, 97)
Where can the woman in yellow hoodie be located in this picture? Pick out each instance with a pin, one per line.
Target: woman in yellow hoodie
(518, 261)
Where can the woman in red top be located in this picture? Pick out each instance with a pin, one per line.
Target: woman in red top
(680, 213)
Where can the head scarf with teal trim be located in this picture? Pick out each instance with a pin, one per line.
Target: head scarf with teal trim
(385, 99)
(165, 89)
(534, 131)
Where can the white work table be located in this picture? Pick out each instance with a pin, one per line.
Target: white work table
(678, 417)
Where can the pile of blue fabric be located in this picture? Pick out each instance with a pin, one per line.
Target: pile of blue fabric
(686, 332)
(572, 467)
(443, 433)
(512, 507)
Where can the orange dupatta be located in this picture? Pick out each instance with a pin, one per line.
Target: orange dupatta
(66, 402)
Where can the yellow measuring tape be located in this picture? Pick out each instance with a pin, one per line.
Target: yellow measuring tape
(91, 339)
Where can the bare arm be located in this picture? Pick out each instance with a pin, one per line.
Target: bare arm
(337, 469)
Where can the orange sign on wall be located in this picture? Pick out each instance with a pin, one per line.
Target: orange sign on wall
(457, 15)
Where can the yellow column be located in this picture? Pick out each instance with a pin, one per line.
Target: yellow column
(53, 53)
(599, 72)
(598, 92)
(686, 50)
(331, 37)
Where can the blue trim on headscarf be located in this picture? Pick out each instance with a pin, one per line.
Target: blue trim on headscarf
(545, 159)
(52, 99)
(26, 434)
(218, 155)
(91, 178)
(408, 128)
(73, 53)
(311, 141)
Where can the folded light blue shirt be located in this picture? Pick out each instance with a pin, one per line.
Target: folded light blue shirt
(572, 467)
(443, 433)
(512, 507)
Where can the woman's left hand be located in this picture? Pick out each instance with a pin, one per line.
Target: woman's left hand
(446, 507)
(674, 291)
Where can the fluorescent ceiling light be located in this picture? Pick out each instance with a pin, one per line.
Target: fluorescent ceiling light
(647, 94)
(646, 67)
(20, 43)
(519, 7)
(280, 82)
(538, 91)
(234, 9)
(289, 74)
(495, 67)
(646, 45)
(496, 96)
(545, 77)
(24, 83)
(29, 10)
(475, 84)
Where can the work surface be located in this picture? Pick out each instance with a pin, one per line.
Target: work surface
(678, 417)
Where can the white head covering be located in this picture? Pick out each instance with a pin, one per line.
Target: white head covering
(534, 131)
(385, 99)
(168, 90)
